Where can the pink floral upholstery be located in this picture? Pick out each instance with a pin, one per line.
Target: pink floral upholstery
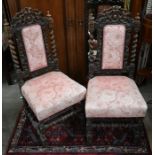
(113, 46)
(52, 92)
(114, 96)
(34, 46)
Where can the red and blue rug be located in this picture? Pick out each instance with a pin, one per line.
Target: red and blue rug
(68, 138)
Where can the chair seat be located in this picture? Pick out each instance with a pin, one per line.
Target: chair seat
(114, 96)
(50, 93)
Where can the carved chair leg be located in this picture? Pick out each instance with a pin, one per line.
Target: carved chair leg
(38, 127)
(89, 134)
(41, 133)
(129, 123)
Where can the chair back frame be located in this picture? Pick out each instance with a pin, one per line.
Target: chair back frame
(113, 16)
(24, 18)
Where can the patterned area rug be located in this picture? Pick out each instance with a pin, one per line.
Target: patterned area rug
(69, 138)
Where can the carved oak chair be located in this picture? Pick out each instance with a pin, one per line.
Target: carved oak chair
(49, 95)
(112, 96)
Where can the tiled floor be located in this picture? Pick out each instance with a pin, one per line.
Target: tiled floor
(12, 103)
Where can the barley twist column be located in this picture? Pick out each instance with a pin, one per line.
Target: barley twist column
(134, 44)
(12, 46)
(52, 38)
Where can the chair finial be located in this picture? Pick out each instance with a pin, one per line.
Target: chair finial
(137, 17)
(48, 13)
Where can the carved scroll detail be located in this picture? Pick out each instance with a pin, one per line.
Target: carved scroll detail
(26, 16)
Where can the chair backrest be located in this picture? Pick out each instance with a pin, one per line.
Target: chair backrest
(33, 45)
(117, 36)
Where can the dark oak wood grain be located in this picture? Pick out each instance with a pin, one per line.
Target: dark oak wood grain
(81, 41)
(71, 37)
(136, 7)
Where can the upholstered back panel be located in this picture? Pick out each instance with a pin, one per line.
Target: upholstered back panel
(113, 46)
(34, 47)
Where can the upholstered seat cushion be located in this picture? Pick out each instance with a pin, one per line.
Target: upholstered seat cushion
(114, 96)
(52, 92)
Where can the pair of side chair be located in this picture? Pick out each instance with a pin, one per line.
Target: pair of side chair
(50, 96)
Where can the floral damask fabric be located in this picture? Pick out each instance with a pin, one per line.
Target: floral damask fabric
(34, 46)
(114, 96)
(113, 46)
(52, 92)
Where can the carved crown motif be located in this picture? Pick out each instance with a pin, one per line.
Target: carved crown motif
(27, 16)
